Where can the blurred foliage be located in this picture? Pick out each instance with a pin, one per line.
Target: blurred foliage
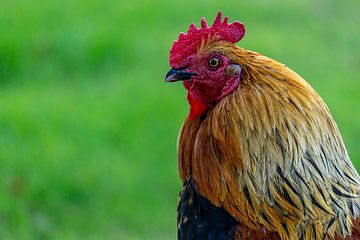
(88, 128)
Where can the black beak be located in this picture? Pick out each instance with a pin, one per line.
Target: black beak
(178, 75)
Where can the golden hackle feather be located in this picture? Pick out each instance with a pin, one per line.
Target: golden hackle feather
(271, 154)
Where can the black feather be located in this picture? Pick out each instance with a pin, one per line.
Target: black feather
(199, 219)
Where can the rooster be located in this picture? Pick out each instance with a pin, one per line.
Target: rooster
(259, 154)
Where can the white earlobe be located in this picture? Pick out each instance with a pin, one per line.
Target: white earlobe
(233, 69)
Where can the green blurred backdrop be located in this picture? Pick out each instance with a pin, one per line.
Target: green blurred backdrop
(88, 127)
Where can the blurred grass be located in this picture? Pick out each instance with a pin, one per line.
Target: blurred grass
(88, 128)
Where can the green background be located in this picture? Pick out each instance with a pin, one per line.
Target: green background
(88, 127)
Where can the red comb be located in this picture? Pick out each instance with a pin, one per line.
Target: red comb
(188, 43)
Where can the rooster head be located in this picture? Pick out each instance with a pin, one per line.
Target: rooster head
(204, 59)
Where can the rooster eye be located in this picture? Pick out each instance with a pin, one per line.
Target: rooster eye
(214, 62)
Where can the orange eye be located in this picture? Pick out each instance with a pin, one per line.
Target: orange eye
(214, 62)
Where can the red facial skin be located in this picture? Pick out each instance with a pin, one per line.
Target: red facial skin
(210, 85)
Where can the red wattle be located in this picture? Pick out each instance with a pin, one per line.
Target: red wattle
(197, 108)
